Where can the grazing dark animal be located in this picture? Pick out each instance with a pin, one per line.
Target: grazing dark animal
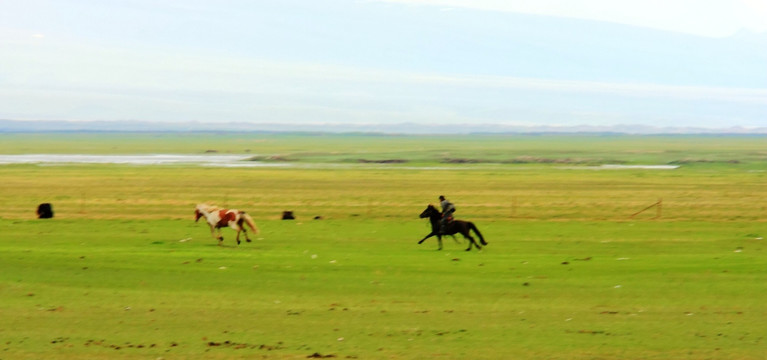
(44, 211)
(453, 227)
(288, 215)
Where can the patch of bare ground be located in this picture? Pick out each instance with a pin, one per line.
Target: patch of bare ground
(702, 161)
(126, 345)
(237, 346)
(532, 160)
(385, 161)
(270, 158)
(320, 356)
(463, 161)
(571, 161)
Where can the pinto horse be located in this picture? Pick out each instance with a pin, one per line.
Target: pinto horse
(453, 227)
(218, 218)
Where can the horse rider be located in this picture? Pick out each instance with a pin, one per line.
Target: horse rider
(447, 213)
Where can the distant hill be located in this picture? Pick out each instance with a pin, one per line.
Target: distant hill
(13, 126)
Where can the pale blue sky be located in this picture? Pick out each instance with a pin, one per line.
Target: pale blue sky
(545, 62)
(714, 18)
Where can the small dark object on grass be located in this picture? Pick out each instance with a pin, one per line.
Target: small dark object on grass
(320, 356)
(386, 161)
(288, 215)
(45, 211)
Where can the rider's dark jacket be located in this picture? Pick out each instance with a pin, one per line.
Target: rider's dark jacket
(447, 208)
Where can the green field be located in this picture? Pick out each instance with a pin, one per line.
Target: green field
(123, 272)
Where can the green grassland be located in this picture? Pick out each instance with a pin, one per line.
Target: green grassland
(123, 272)
(415, 150)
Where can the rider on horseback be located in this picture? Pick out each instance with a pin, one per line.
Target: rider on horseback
(447, 213)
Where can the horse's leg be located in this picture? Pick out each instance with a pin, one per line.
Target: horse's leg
(236, 228)
(244, 230)
(217, 236)
(213, 234)
(471, 240)
(476, 231)
(439, 240)
(426, 237)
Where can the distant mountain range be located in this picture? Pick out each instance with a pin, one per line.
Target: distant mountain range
(12, 126)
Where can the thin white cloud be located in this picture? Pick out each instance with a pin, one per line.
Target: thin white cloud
(755, 96)
(64, 77)
(712, 18)
(80, 68)
(358, 75)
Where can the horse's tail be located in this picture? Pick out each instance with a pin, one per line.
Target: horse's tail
(476, 231)
(250, 222)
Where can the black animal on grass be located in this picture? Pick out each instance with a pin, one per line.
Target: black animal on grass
(452, 228)
(45, 211)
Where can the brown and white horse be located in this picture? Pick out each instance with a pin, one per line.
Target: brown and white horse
(218, 218)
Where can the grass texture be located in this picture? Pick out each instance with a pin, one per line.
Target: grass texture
(123, 272)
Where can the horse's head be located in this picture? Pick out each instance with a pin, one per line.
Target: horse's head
(430, 210)
(200, 210)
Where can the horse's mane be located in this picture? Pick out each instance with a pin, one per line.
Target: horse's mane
(207, 208)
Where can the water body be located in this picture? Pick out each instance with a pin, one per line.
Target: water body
(154, 159)
(239, 161)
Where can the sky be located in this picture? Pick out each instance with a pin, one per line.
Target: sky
(682, 63)
(714, 18)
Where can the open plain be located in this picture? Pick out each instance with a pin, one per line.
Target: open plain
(600, 247)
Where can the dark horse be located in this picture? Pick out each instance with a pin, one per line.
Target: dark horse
(453, 227)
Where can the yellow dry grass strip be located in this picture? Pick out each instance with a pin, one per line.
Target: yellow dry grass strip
(111, 192)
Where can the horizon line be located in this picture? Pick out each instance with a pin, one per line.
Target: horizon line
(403, 128)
